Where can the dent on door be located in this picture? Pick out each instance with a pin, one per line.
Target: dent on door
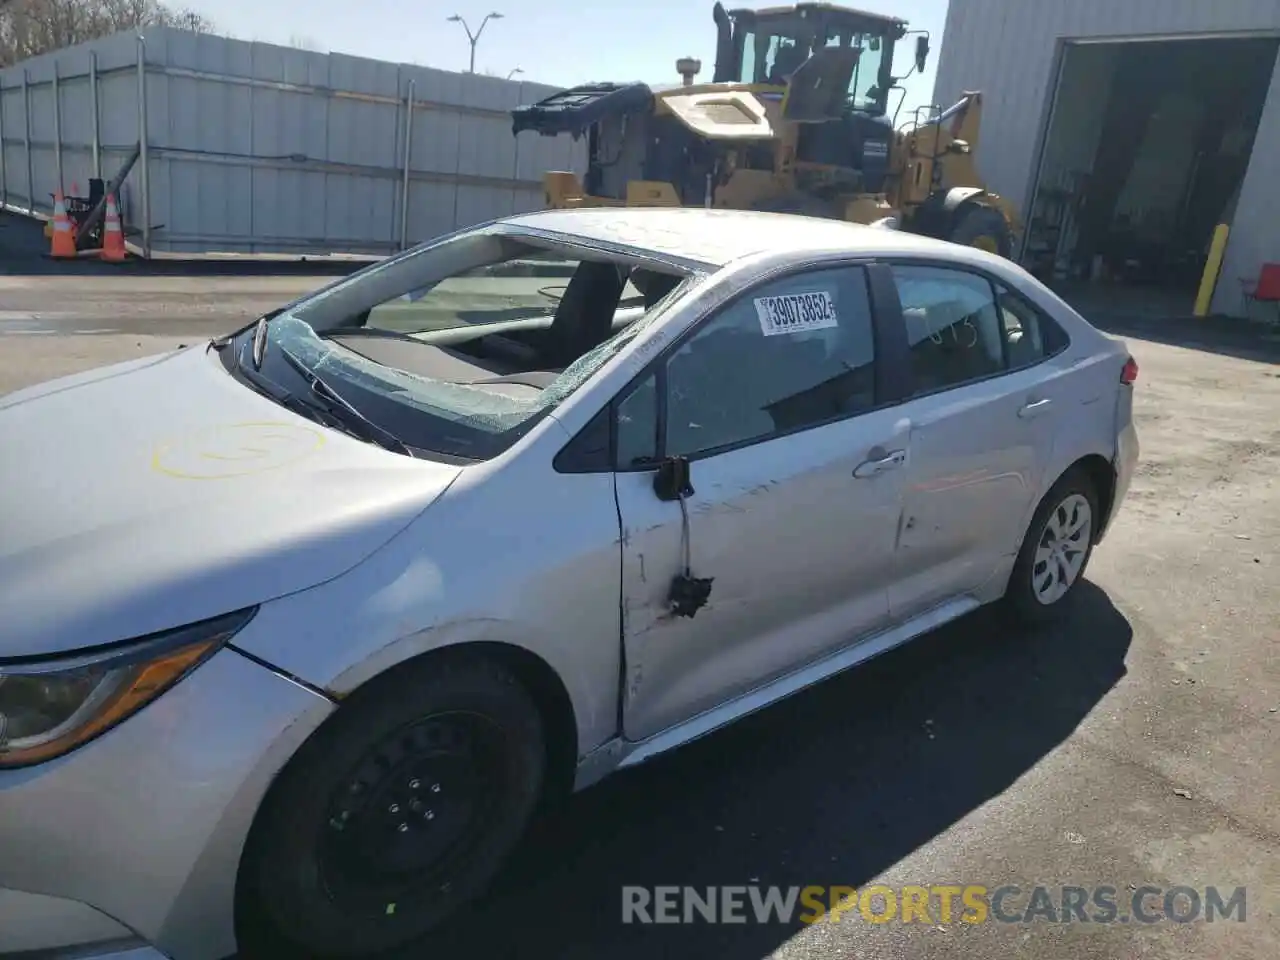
(781, 547)
(776, 555)
(972, 472)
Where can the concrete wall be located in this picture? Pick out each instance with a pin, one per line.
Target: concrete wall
(256, 148)
(1009, 49)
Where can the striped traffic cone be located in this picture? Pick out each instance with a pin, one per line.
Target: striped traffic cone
(63, 246)
(112, 236)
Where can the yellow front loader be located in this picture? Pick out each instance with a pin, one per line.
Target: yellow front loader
(795, 120)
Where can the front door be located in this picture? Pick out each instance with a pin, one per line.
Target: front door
(797, 474)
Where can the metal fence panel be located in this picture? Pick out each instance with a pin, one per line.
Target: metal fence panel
(256, 148)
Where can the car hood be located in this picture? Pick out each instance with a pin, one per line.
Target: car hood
(160, 492)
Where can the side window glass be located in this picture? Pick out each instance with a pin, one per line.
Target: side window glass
(1029, 335)
(787, 355)
(638, 425)
(953, 328)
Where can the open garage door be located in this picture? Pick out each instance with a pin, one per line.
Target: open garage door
(1147, 146)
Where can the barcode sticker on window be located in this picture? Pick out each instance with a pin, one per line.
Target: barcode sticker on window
(796, 313)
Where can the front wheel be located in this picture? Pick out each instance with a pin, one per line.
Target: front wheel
(397, 811)
(1055, 551)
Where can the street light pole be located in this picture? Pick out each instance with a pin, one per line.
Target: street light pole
(514, 72)
(474, 38)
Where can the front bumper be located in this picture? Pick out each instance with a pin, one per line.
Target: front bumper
(128, 847)
(33, 922)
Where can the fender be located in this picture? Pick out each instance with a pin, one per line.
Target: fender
(936, 216)
(958, 196)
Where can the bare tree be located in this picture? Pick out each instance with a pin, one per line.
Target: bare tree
(184, 18)
(300, 42)
(32, 27)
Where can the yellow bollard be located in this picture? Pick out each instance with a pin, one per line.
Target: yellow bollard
(1212, 267)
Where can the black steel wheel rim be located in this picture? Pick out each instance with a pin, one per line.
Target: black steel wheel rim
(408, 818)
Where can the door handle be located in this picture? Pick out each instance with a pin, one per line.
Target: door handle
(871, 468)
(1034, 409)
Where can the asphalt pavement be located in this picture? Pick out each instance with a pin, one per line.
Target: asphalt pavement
(1134, 744)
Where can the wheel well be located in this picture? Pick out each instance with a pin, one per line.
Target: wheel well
(1100, 473)
(550, 696)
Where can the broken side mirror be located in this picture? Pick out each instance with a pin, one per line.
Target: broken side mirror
(922, 53)
(672, 481)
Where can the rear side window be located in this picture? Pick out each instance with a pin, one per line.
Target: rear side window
(1029, 334)
(961, 328)
(953, 326)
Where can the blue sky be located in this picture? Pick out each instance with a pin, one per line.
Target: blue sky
(560, 42)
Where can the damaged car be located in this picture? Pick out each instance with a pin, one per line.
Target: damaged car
(301, 624)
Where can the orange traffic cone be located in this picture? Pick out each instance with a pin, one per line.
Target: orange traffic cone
(112, 236)
(64, 235)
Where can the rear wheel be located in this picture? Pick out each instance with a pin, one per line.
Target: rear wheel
(983, 227)
(1055, 551)
(397, 811)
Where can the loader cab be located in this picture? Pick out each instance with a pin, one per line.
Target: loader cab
(766, 46)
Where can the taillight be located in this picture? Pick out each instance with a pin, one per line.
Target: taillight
(1130, 372)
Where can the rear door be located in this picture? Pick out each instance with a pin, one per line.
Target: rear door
(796, 461)
(983, 414)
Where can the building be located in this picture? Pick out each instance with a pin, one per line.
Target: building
(1125, 131)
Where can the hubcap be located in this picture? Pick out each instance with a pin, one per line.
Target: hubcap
(1064, 542)
(411, 812)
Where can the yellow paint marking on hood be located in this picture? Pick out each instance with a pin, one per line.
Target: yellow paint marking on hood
(230, 451)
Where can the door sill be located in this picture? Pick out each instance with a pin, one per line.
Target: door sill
(620, 753)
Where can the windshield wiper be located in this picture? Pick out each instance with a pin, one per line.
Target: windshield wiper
(269, 388)
(217, 343)
(342, 410)
(286, 398)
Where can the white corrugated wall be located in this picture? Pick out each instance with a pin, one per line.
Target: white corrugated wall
(1008, 50)
(258, 148)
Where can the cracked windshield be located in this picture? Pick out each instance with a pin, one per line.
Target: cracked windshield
(522, 289)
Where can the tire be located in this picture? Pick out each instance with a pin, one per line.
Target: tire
(1028, 595)
(398, 810)
(981, 226)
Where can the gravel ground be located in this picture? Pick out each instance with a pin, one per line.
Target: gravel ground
(1136, 743)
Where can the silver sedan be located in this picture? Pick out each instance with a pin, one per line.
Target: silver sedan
(302, 623)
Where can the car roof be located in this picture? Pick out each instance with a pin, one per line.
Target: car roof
(716, 238)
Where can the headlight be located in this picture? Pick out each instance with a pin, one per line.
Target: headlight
(49, 707)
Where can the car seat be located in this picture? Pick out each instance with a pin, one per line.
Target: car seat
(584, 317)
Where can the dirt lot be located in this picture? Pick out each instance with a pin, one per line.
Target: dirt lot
(1135, 744)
